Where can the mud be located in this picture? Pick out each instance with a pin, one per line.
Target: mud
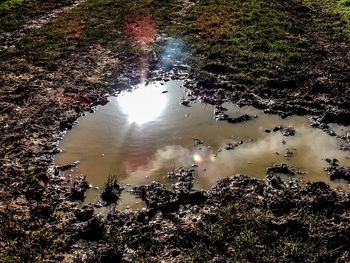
(175, 221)
(339, 173)
(38, 103)
(9, 39)
(171, 217)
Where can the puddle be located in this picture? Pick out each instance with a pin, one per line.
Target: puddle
(145, 133)
(129, 202)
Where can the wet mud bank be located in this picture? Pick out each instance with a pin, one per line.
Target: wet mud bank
(41, 97)
(239, 218)
(38, 199)
(179, 222)
(37, 107)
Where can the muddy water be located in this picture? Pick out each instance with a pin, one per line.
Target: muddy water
(143, 134)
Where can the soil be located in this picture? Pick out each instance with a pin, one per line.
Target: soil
(9, 39)
(44, 89)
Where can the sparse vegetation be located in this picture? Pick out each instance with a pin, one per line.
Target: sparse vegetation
(15, 13)
(240, 233)
(19, 243)
(333, 7)
(112, 189)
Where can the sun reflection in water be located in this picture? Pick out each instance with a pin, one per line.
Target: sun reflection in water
(144, 104)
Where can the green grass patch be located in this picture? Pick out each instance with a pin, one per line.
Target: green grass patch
(15, 13)
(341, 7)
(8, 4)
(247, 42)
(249, 37)
(239, 233)
(93, 22)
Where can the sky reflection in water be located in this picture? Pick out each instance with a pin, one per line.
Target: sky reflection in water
(145, 133)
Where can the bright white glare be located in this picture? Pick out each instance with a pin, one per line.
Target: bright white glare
(197, 158)
(143, 104)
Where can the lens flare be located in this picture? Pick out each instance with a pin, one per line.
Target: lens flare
(172, 53)
(197, 158)
(142, 30)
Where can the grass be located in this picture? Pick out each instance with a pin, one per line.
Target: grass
(91, 23)
(22, 245)
(15, 13)
(243, 234)
(112, 189)
(335, 7)
(113, 180)
(249, 38)
(8, 4)
(246, 42)
(256, 42)
(225, 34)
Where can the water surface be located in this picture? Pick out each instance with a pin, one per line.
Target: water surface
(144, 133)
